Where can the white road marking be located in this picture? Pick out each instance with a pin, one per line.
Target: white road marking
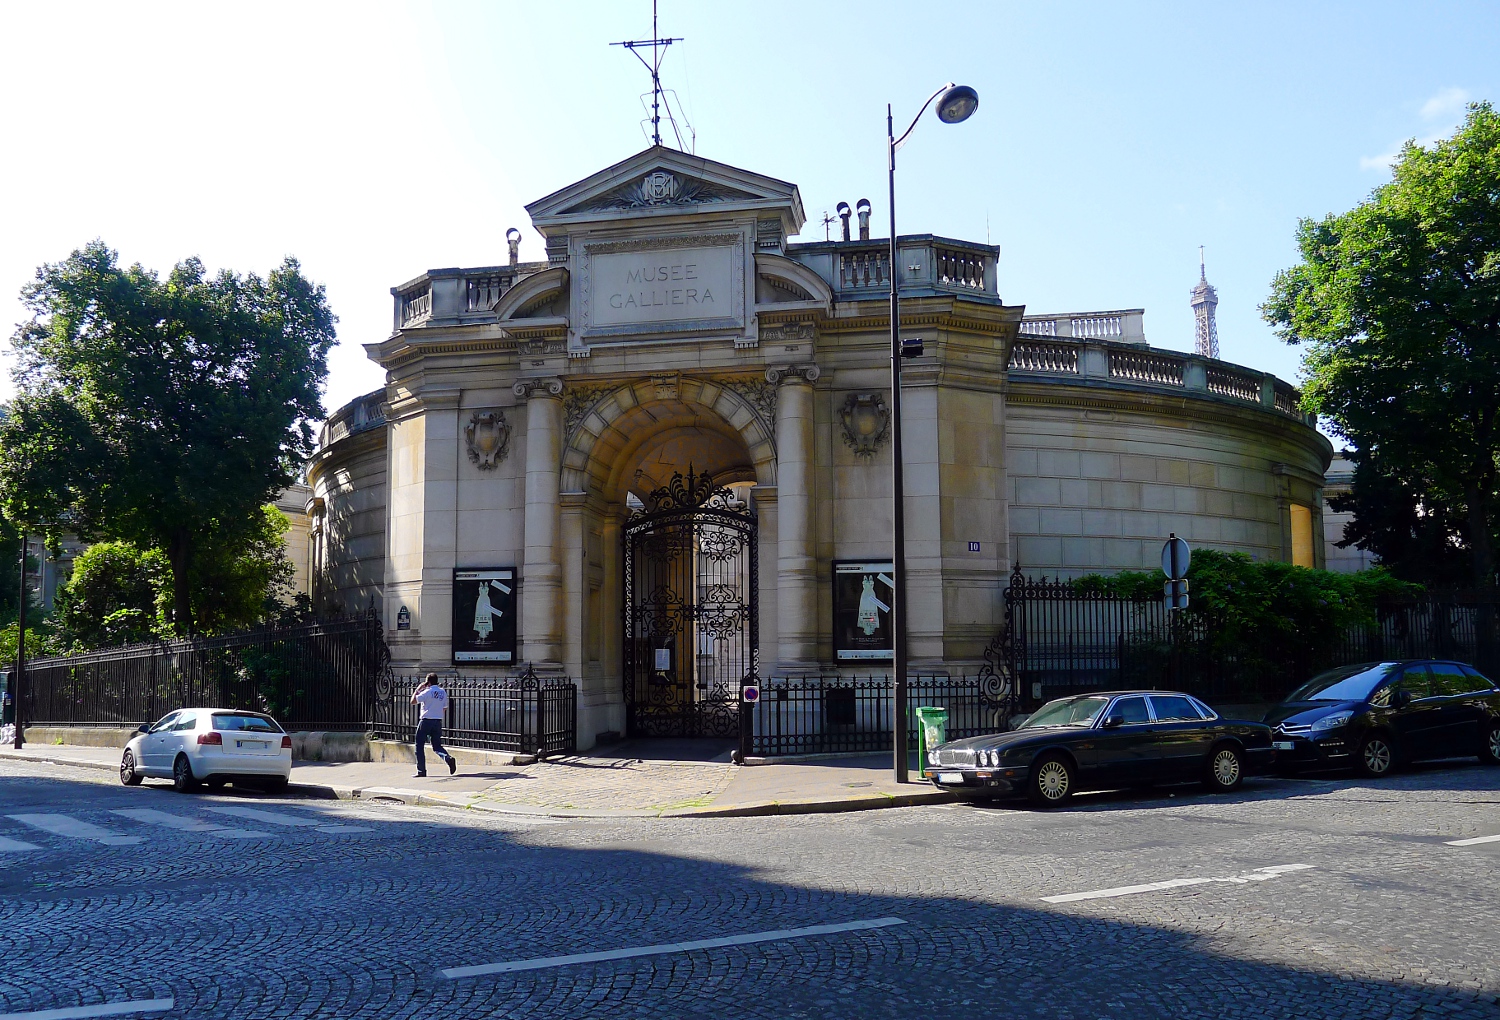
(150, 816)
(104, 1009)
(1258, 875)
(8, 845)
(1475, 841)
(281, 818)
(669, 947)
(62, 825)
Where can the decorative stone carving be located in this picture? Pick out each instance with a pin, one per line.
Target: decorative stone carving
(792, 373)
(866, 423)
(786, 331)
(760, 394)
(666, 385)
(577, 403)
(527, 388)
(660, 188)
(539, 348)
(487, 436)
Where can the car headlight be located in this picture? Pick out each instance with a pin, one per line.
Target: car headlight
(1332, 721)
(991, 758)
(932, 757)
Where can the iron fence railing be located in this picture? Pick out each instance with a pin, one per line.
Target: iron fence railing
(1061, 640)
(855, 715)
(314, 676)
(330, 675)
(526, 714)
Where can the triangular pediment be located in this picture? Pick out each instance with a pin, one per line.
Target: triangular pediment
(659, 181)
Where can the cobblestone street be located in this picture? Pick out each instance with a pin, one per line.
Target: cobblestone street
(1294, 898)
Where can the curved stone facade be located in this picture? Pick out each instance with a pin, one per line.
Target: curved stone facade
(347, 510)
(533, 413)
(1102, 466)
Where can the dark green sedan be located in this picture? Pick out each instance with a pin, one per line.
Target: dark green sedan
(1105, 740)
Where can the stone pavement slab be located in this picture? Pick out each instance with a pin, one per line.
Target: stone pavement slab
(612, 782)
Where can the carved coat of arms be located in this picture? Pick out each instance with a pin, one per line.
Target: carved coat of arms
(487, 436)
(866, 423)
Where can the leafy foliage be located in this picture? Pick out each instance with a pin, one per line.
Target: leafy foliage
(1398, 302)
(165, 413)
(1412, 536)
(1264, 618)
(10, 576)
(118, 595)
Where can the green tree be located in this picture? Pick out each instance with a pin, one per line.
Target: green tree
(1398, 302)
(117, 595)
(165, 413)
(241, 576)
(10, 576)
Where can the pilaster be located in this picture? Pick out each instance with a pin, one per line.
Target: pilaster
(541, 574)
(797, 565)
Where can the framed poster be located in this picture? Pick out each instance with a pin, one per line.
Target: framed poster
(862, 592)
(484, 615)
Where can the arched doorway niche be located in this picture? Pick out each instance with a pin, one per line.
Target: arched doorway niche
(624, 442)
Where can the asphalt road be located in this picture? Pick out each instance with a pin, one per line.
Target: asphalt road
(1292, 898)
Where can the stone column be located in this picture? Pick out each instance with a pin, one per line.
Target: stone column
(796, 558)
(541, 572)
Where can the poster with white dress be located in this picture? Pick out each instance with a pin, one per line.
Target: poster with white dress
(862, 610)
(484, 615)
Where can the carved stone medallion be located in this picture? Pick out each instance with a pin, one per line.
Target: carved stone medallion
(866, 423)
(487, 436)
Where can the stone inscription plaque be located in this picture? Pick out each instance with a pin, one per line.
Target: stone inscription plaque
(669, 285)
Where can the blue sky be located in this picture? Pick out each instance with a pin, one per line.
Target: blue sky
(377, 140)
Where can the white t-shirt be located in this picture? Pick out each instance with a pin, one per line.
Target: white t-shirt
(434, 702)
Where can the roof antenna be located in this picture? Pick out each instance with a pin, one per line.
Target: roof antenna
(658, 50)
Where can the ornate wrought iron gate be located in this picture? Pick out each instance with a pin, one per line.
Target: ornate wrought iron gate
(691, 611)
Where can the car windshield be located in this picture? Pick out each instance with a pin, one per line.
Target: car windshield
(1069, 712)
(1348, 683)
(244, 721)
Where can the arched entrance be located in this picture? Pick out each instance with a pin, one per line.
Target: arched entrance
(691, 609)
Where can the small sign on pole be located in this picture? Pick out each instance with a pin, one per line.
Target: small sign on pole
(1176, 594)
(1175, 556)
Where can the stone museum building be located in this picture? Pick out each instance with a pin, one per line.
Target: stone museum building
(660, 460)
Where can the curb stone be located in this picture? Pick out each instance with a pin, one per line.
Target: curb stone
(417, 798)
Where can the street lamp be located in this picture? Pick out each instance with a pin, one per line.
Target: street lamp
(955, 103)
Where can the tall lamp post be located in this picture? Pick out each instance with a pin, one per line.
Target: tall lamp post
(955, 103)
(18, 678)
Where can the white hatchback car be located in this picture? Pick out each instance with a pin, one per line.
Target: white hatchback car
(210, 745)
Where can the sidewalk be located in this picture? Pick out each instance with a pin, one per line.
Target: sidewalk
(633, 779)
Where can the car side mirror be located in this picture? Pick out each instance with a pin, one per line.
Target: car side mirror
(144, 727)
(1114, 721)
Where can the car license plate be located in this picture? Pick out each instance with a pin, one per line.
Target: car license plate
(1283, 745)
(250, 743)
(950, 777)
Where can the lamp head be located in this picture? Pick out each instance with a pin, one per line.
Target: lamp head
(957, 104)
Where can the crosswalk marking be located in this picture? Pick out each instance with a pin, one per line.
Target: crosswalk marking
(103, 1009)
(62, 825)
(15, 845)
(282, 818)
(150, 816)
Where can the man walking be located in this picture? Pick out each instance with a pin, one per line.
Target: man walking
(433, 700)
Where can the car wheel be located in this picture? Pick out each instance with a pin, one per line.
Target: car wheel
(1376, 756)
(128, 774)
(1489, 751)
(183, 780)
(1226, 769)
(1051, 782)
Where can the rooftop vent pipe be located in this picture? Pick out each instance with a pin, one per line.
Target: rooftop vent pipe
(863, 206)
(843, 211)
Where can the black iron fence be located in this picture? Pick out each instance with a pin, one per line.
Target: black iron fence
(329, 675)
(311, 677)
(855, 715)
(1060, 640)
(526, 714)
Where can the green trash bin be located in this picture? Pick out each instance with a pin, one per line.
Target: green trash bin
(932, 730)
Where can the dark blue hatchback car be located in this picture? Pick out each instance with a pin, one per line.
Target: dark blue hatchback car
(1376, 715)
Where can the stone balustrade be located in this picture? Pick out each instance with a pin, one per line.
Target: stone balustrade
(359, 415)
(926, 265)
(1038, 357)
(1125, 325)
(442, 297)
